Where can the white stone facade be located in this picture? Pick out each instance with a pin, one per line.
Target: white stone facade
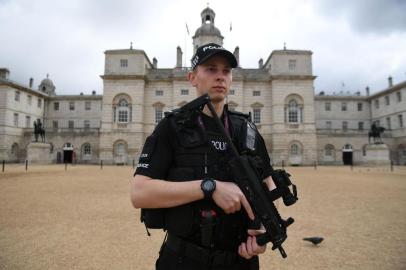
(279, 94)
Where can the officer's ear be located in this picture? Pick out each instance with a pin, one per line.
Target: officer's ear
(191, 77)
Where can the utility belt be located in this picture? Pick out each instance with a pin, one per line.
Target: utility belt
(206, 256)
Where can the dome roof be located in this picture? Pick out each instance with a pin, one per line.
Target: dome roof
(207, 10)
(207, 30)
(47, 81)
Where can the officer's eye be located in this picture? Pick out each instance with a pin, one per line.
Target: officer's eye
(212, 69)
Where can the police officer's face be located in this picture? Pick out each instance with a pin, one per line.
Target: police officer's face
(213, 77)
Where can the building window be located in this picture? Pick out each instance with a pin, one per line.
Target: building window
(184, 92)
(399, 96)
(29, 100)
(87, 150)
(343, 106)
(400, 120)
(257, 115)
(56, 106)
(124, 62)
(72, 105)
(361, 125)
(294, 150)
(158, 115)
(328, 150)
(327, 106)
(387, 101)
(159, 93)
(376, 103)
(87, 105)
(16, 119)
(293, 112)
(55, 124)
(28, 121)
(86, 124)
(71, 124)
(364, 150)
(388, 123)
(123, 111)
(292, 64)
(232, 92)
(17, 96)
(256, 93)
(345, 125)
(328, 124)
(359, 107)
(39, 104)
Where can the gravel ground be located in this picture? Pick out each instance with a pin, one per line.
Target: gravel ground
(82, 218)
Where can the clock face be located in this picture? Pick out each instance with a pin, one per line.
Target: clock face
(208, 185)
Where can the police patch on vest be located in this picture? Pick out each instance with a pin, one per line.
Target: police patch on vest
(147, 152)
(250, 139)
(219, 145)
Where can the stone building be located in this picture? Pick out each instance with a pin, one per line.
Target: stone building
(297, 126)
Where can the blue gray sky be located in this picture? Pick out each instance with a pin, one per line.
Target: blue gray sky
(354, 43)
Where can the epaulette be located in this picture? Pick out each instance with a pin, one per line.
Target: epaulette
(240, 114)
(172, 112)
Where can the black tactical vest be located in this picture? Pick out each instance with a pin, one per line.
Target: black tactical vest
(200, 153)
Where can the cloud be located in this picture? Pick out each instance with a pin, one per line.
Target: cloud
(370, 16)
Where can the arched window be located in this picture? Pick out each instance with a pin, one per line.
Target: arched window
(293, 109)
(329, 150)
(14, 151)
(294, 150)
(122, 109)
(293, 112)
(347, 147)
(86, 150)
(120, 148)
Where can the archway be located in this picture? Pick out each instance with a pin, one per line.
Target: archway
(347, 154)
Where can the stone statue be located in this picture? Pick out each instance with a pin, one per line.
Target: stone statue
(39, 130)
(375, 133)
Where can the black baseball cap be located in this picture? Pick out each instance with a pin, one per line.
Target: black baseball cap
(204, 52)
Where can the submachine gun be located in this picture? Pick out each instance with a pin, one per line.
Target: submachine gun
(254, 188)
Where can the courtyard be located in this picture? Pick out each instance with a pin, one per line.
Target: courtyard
(82, 218)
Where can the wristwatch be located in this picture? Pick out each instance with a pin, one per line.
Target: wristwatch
(208, 186)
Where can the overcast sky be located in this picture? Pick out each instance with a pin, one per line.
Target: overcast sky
(354, 43)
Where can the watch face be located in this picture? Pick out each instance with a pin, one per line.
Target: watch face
(208, 185)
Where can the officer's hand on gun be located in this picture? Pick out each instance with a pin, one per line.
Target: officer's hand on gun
(229, 197)
(250, 248)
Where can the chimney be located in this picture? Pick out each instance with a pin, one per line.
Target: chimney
(260, 63)
(31, 82)
(154, 62)
(237, 55)
(179, 55)
(390, 81)
(4, 73)
(367, 90)
(94, 92)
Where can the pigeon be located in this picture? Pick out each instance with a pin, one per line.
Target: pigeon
(314, 240)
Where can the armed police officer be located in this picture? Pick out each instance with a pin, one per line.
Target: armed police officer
(183, 182)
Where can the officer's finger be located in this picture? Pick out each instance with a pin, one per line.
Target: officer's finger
(243, 250)
(247, 207)
(250, 250)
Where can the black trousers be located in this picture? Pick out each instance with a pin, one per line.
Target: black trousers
(170, 260)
